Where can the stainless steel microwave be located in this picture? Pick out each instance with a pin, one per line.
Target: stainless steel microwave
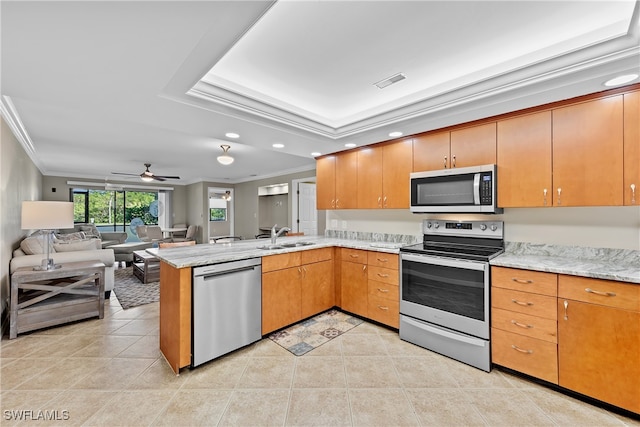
(457, 190)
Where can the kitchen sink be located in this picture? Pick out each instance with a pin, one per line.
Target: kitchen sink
(285, 245)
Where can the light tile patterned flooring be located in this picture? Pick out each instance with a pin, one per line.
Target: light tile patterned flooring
(110, 372)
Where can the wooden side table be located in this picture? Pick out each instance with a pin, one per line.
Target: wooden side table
(47, 298)
(146, 267)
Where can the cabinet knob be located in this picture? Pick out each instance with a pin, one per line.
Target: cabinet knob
(445, 162)
(544, 193)
(453, 159)
(559, 193)
(633, 194)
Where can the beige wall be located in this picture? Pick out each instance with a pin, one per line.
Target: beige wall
(606, 227)
(20, 180)
(246, 202)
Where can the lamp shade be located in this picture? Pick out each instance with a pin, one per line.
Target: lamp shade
(46, 215)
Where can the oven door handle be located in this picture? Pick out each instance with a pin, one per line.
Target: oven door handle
(450, 335)
(446, 262)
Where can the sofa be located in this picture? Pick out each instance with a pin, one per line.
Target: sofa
(74, 248)
(90, 231)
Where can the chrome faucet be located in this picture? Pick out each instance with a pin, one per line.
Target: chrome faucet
(275, 235)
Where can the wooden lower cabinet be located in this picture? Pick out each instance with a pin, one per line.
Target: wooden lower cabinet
(295, 286)
(175, 315)
(354, 288)
(599, 342)
(524, 322)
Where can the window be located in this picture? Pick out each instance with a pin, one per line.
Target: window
(217, 214)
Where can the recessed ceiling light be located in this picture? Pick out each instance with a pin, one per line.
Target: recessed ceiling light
(232, 135)
(620, 80)
(350, 145)
(278, 145)
(395, 134)
(316, 154)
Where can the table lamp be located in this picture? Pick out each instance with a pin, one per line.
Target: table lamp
(47, 216)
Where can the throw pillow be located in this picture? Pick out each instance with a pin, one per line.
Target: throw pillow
(69, 236)
(90, 231)
(34, 245)
(76, 245)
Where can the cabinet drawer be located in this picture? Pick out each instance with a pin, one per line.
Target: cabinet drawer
(524, 302)
(384, 311)
(385, 275)
(601, 292)
(525, 324)
(525, 280)
(382, 259)
(524, 354)
(384, 290)
(316, 255)
(281, 261)
(353, 255)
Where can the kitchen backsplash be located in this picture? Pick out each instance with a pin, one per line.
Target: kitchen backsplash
(371, 236)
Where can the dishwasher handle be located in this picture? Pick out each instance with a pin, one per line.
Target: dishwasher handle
(225, 272)
(226, 267)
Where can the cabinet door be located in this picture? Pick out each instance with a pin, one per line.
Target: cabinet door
(326, 182)
(346, 180)
(473, 146)
(397, 161)
(431, 152)
(317, 288)
(281, 298)
(599, 352)
(370, 178)
(587, 153)
(524, 161)
(354, 287)
(632, 148)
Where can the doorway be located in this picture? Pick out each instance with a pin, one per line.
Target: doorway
(220, 212)
(304, 214)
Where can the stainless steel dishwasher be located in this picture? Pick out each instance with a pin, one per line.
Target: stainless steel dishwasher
(227, 308)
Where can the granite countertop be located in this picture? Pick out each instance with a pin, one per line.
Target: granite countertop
(599, 263)
(206, 254)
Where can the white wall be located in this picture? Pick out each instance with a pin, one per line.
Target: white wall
(606, 227)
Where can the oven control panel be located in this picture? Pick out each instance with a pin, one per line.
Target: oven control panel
(487, 229)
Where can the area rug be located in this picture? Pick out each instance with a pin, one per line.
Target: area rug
(131, 292)
(303, 337)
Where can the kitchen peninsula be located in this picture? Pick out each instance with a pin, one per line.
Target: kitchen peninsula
(300, 255)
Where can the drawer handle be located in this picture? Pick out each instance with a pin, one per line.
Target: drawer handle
(522, 325)
(383, 290)
(521, 350)
(382, 259)
(526, 304)
(383, 275)
(526, 282)
(604, 294)
(354, 256)
(383, 307)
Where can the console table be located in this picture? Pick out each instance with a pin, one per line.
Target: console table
(40, 299)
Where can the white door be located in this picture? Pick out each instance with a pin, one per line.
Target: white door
(307, 213)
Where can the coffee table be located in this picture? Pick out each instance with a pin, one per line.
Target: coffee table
(146, 267)
(46, 298)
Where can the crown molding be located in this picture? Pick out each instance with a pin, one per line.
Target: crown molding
(12, 118)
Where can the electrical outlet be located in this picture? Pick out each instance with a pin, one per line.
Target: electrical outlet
(334, 223)
(344, 225)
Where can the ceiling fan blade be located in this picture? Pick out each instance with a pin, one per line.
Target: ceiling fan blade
(122, 173)
(167, 177)
(158, 178)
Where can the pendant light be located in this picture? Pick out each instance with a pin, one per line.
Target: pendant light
(225, 158)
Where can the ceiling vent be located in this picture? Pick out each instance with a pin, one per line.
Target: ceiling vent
(390, 80)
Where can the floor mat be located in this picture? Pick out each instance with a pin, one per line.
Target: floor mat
(303, 337)
(131, 292)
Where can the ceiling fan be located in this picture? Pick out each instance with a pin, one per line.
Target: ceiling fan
(147, 175)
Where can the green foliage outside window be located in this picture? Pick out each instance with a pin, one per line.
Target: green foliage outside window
(217, 214)
(108, 207)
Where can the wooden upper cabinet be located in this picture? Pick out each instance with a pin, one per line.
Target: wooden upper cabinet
(473, 146)
(397, 160)
(370, 177)
(524, 161)
(632, 148)
(346, 180)
(431, 151)
(326, 182)
(588, 153)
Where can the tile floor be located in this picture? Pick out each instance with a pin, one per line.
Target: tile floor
(109, 372)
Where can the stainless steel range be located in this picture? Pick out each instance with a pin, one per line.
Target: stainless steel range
(444, 289)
